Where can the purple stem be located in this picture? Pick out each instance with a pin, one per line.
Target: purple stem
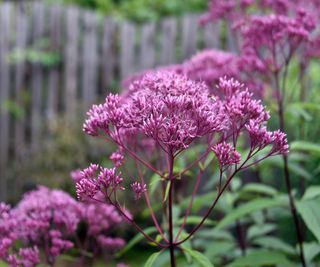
(190, 204)
(286, 171)
(146, 195)
(170, 203)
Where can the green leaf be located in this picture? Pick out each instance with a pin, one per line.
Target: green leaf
(222, 248)
(311, 250)
(14, 109)
(307, 105)
(219, 234)
(299, 170)
(300, 112)
(152, 259)
(261, 258)
(208, 160)
(154, 182)
(167, 191)
(275, 244)
(68, 258)
(186, 245)
(310, 212)
(294, 166)
(139, 237)
(259, 189)
(199, 257)
(249, 207)
(201, 166)
(260, 229)
(195, 220)
(199, 202)
(305, 146)
(311, 192)
(175, 213)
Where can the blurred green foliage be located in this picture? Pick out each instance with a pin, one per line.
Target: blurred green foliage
(40, 52)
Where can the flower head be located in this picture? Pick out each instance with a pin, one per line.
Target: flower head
(210, 65)
(226, 154)
(260, 138)
(166, 107)
(26, 257)
(117, 157)
(138, 189)
(277, 35)
(95, 178)
(43, 218)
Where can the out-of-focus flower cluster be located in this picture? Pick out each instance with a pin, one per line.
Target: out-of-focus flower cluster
(279, 25)
(48, 220)
(271, 40)
(209, 66)
(42, 218)
(101, 220)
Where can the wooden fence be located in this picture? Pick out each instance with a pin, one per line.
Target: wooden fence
(83, 54)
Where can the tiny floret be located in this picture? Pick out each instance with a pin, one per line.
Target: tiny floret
(138, 189)
(226, 154)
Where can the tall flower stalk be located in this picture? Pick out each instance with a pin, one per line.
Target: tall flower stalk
(280, 36)
(158, 120)
(269, 43)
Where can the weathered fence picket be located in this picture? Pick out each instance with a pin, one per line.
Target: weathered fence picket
(89, 59)
(5, 21)
(212, 35)
(22, 28)
(55, 17)
(71, 61)
(168, 41)
(189, 35)
(37, 78)
(127, 50)
(92, 52)
(147, 47)
(108, 59)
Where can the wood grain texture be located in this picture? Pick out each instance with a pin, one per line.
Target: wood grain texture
(37, 77)
(5, 22)
(168, 41)
(89, 59)
(22, 28)
(71, 61)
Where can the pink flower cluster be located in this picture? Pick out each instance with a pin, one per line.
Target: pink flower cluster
(90, 184)
(226, 9)
(168, 108)
(101, 220)
(226, 154)
(25, 257)
(138, 189)
(210, 65)
(174, 111)
(48, 219)
(117, 157)
(285, 23)
(43, 218)
(96, 179)
(271, 40)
